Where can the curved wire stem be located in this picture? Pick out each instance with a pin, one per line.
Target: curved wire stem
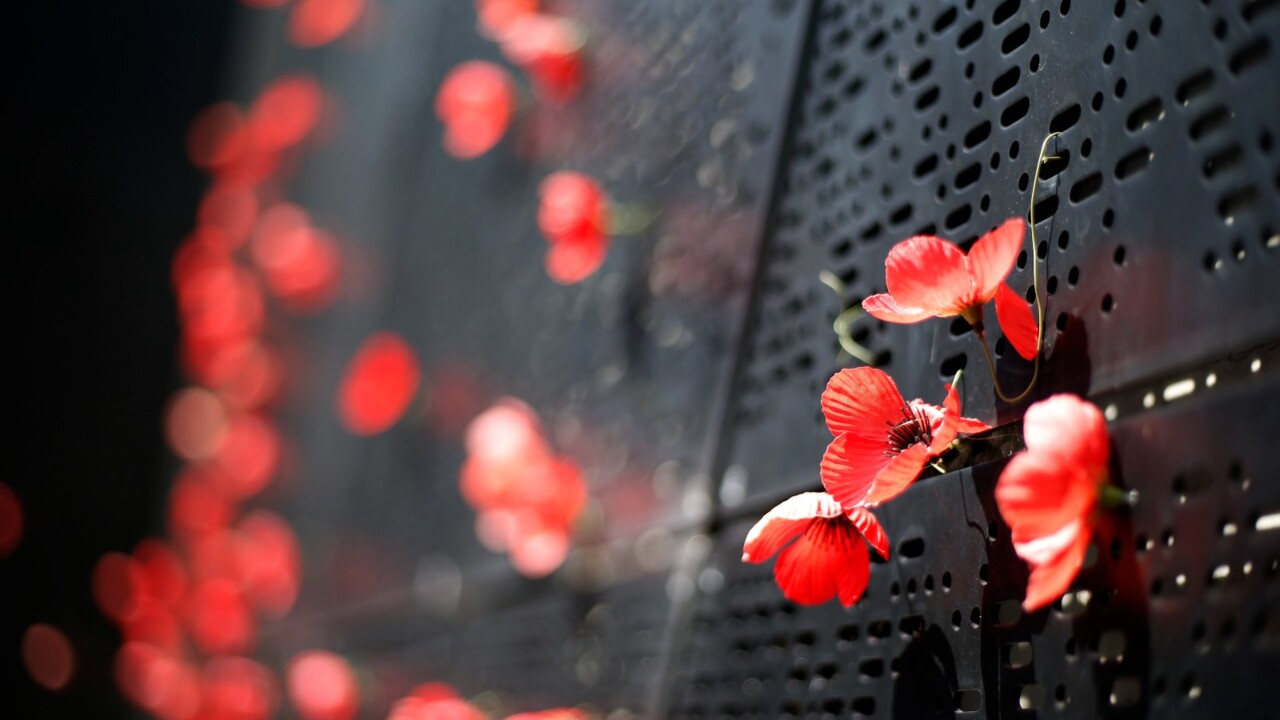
(844, 320)
(1035, 283)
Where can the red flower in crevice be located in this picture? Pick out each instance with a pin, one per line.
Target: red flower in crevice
(929, 277)
(475, 103)
(1049, 494)
(549, 49)
(829, 557)
(882, 441)
(573, 215)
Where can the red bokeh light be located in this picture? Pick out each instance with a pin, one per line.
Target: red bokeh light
(231, 209)
(269, 561)
(526, 497)
(237, 688)
(195, 423)
(10, 521)
(248, 456)
(48, 656)
(434, 701)
(378, 385)
(220, 620)
(164, 575)
(216, 137)
(496, 16)
(322, 686)
(117, 585)
(157, 682)
(475, 103)
(285, 112)
(154, 624)
(549, 49)
(197, 507)
(319, 22)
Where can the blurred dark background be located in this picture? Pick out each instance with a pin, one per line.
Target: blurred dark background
(99, 100)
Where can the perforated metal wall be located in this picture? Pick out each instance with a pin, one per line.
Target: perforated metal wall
(775, 140)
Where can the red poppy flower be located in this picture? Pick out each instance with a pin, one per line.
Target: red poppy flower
(573, 215)
(1049, 493)
(828, 558)
(929, 277)
(475, 103)
(549, 49)
(882, 441)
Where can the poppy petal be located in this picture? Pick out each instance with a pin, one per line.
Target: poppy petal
(849, 467)
(928, 273)
(1040, 493)
(871, 529)
(992, 257)
(785, 522)
(859, 400)
(1017, 322)
(1067, 425)
(968, 426)
(1050, 580)
(898, 474)
(830, 560)
(884, 307)
(949, 428)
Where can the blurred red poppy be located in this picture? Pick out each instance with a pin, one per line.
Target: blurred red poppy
(573, 215)
(475, 103)
(1049, 494)
(434, 701)
(285, 111)
(929, 277)
(219, 617)
(48, 656)
(157, 681)
(494, 17)
(237, 688)
(378, 385)
(163, 573)
(318, 22)
(829, 557)
(197, 505)
(270, 562)
(554, 714)
(882, 441)
(549, 49)
(10, 521)
(247, 455)
(322, 686)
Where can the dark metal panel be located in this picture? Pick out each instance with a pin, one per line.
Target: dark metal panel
(1174, 614)
(1157, 225)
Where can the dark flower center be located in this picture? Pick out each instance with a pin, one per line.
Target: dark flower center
(913, 428)
(830, 533)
